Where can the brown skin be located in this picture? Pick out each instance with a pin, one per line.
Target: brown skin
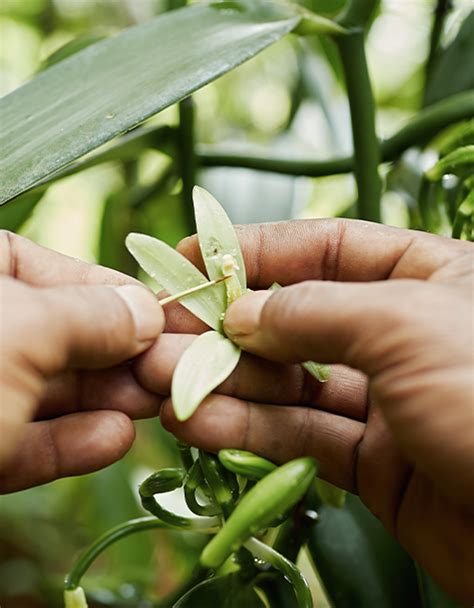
(393, 310)
(67, 392)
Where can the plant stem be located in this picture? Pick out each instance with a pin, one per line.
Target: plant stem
(288, 569)
(429, 122)
(366, 146)
(426, 124)
(111, 536)
(440, 13)
(187, 158)
(211, 156)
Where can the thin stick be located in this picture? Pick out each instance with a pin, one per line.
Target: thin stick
(187, 292)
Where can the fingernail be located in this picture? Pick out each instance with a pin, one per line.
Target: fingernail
(243, 316)
(145, 310)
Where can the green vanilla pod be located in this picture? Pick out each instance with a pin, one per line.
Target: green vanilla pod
(273, 495)
(165, 480)
(247, 464)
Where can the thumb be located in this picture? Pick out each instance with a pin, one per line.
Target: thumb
(85, 326)
(326, 321)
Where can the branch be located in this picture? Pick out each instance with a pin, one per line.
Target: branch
(366, 145)
(426, 124)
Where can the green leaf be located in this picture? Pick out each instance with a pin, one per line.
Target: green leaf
(384, 574)
(217, 237)
(209, 360)
(113, 85)
(175, 273)
(71, 48)
(229, 591)
(311, 24)
(452, 71)
(14, 215)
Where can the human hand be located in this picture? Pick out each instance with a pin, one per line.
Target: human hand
(67, 391)
(395, 423)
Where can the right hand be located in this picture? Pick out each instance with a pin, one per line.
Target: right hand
(396, 306)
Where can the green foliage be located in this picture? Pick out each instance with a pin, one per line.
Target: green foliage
(228, 591)
(452, 67)
(54, 119)
(83, 117)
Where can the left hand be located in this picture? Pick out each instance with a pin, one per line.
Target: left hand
(67, 331)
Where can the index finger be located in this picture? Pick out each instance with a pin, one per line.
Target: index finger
(26, 261)
(335, 250)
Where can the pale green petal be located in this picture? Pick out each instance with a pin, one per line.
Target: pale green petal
(217, 236)
(175, 273)
(209, 360)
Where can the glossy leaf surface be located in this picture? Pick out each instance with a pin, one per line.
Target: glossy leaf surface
(209, 360)
(111, 86)
(15, 214)
(228, 591)
(359, 563)
(175, 273)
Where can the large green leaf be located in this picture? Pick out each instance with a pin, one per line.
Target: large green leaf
(229, 591)
(359, 563)
(113, 85)
(12, 216)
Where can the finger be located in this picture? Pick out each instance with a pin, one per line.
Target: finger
(26, 261)
(110, 389)
(279, 433)
(257, 379)
(334, 249)
(85, 326)
(72, 445)
(349, 323)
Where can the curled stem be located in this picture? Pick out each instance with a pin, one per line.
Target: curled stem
(195, 480)
(262, 551)
(85, 560)
(197, 524)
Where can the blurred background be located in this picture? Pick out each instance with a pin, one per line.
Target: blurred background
(288, 100)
